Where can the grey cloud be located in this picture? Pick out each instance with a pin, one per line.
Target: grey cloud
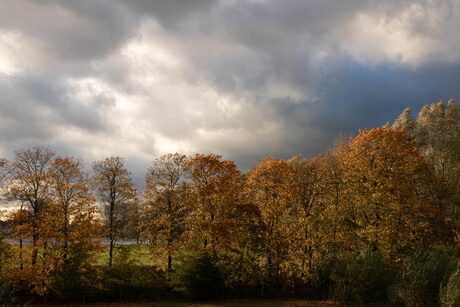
(70, 31)
(284, 66)
(170, 13)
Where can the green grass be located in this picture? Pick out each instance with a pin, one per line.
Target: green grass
(137, 254)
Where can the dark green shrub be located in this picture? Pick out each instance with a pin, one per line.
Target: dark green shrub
(450, 293)
(420, 278)
(75, 278)
(321, 282)
(6, 295)
(198, 276)
(361, 278)
(130, 282)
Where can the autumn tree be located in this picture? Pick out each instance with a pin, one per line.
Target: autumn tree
(271, 186)
(311, 208)
(4, 248)
(214, 183)
(166, 203)
(30, 185)
(115, 191)
(72, 214)
(71, 225)
(384, 206)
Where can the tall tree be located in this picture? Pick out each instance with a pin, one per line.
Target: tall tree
(72, 211)
(30, 185)
(115, 190)
(166, 203)
(385, 207)
(312, 187)
(214, 183)
(271, 185)
(437, 135)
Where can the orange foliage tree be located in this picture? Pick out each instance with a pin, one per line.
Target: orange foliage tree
(214, 192)
(271, 186)
(72, 213)
(386, 180)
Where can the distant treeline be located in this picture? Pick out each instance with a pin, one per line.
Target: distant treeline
(376, 219)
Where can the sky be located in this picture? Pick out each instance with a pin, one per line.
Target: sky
(244, 79)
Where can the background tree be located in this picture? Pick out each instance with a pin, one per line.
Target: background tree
(115, 190)
(166, 203)
(4, 248)
(437, 135)
(30, 185)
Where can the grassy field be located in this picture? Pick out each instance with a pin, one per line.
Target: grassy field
(137, 254)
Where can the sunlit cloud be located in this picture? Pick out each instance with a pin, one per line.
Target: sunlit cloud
(245, 79)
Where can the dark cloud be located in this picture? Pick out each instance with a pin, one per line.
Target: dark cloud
(68, 31)
(246, 79)
(170, 13)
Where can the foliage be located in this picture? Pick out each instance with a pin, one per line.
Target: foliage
(437, 134)
(166, 208)
(338, 226)
(30, 185)
(270, 185)
(421, 276)
(198, 276)
(128, 282)
(75, 277)
(361, 278)
(387, 183)
(214, 184)
(450, 292)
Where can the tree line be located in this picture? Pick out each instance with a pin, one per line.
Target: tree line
(380, 202)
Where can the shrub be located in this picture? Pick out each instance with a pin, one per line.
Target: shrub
(75, 278)
(450, 293)
(128, 282)
(361, 278)
(6, 295)
(421, 276)
(321, 281)
(198, 276)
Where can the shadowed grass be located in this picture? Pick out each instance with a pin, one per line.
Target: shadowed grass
(230, 303)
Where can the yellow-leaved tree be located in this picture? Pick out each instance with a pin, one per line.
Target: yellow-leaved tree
(271, 185)
(390, 194)
(214, 185)
(166, 210)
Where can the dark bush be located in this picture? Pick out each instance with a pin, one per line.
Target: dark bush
(421, 276)
(322, 269)
(6, 295)
(198, 276)
(361, 278)
(75, 278)
(131, 282)
(450, 293)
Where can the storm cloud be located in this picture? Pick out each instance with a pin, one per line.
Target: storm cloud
(245, 79)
